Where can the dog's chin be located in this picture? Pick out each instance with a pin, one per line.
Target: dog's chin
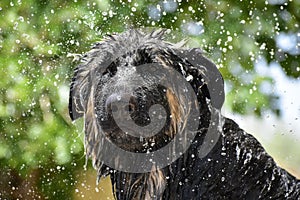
(128, 141)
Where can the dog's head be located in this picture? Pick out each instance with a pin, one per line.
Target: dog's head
(123, 78)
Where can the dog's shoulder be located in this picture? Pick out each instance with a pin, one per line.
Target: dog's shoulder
(244, 145)
(233, 132)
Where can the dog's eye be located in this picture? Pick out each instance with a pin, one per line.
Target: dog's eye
(112, 69)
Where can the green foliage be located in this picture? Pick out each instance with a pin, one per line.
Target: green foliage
(37, 36)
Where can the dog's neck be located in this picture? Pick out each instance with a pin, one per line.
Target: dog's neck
(152, 185)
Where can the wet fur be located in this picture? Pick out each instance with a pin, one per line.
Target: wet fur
(236, 168)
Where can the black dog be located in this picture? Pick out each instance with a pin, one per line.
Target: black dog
(222, 162)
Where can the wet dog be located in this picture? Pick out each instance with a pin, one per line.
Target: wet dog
(218, 163)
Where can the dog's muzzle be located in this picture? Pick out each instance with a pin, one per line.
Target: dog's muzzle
(125, 107)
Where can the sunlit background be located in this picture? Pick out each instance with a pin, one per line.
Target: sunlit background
(255, 44)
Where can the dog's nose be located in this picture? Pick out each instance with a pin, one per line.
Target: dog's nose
(125, 108)
(121, 103)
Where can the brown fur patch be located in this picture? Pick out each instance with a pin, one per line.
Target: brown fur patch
(176, 113)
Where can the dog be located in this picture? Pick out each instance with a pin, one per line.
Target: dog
(220, 160)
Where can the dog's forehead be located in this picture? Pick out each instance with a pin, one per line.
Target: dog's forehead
(116, 46)
(130, 41)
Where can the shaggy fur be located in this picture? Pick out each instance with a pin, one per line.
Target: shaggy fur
(237, 167)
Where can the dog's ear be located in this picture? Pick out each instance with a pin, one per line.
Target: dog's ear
(211, 76)
(86, 75)
(78, 93)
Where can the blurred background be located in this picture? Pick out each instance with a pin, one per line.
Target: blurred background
(255, 44)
